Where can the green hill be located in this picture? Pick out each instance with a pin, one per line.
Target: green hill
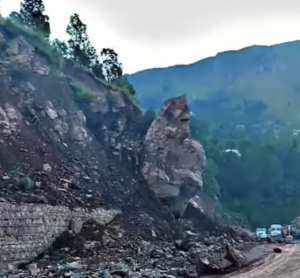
(250, 85)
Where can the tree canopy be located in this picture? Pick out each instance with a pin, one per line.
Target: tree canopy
(255, 178)
(32, 13)
(78, 46)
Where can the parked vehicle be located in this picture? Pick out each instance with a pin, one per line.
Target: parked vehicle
(289, 232)
(276, 234)
(289, 239)
(261, 234)
(295, 233)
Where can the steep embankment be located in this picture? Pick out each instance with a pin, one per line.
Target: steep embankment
(245, 86)
(79, 168)
(67, 140)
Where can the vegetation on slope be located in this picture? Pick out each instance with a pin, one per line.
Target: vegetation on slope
(257, 181)
(32, 22)
(15, 29)
(82, 93)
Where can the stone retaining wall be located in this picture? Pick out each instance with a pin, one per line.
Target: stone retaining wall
(27, 230)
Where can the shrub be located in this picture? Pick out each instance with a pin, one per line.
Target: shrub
(27, 183)
(124, 89)
(81, 92)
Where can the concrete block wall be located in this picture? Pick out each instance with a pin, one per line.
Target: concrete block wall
(28, 229)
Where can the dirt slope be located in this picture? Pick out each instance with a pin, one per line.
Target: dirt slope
(70, 141)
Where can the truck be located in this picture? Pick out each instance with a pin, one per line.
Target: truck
(261, 234)
(295, 232)
(290, 233)
(275, 234)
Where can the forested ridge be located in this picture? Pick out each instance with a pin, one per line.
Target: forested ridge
(247, 86)
(254, 175)
(255, 178)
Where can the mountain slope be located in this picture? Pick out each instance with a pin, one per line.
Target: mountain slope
(72, 149)
(255, 83)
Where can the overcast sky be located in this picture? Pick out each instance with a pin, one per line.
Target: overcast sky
(161, 33)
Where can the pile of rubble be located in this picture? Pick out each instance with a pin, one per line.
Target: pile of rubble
(94, 250)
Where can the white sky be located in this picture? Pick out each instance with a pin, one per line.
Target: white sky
(161, 33)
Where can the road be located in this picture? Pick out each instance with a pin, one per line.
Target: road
(282, 265)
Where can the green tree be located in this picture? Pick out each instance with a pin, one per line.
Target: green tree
(32, 13)
(210, 182)
(61, 47)
(258, 179)
(16, 17)
(96, 68)
(125, 84)
(112, 68)
(80, 48)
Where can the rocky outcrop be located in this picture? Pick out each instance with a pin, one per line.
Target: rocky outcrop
(173, 162)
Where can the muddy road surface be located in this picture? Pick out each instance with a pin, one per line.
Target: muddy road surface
(269, 264)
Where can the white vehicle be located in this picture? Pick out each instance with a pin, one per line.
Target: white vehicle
(261, 233)
(276, 230)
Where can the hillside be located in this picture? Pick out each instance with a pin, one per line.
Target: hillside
(93, 187)
(246, 86)
(83, 172)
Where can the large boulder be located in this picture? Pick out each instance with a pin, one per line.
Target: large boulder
(211, 264)
(172, 162)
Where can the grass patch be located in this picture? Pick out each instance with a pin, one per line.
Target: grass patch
(124, 90)
(14, 30)
(112, 86)
(82, 93)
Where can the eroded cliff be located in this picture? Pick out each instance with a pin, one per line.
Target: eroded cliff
(67, 139)
(74, 149)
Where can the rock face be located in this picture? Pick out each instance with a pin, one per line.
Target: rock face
(173, 162)
(74, 149)
(58, 149)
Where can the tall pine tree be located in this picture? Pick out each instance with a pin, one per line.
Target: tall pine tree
(61, 47)
(16, 17)
(32, 14)
(97, 69)
(80, 48)
(112, 68)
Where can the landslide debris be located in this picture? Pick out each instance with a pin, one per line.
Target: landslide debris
(66, 153)
(110, 250)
